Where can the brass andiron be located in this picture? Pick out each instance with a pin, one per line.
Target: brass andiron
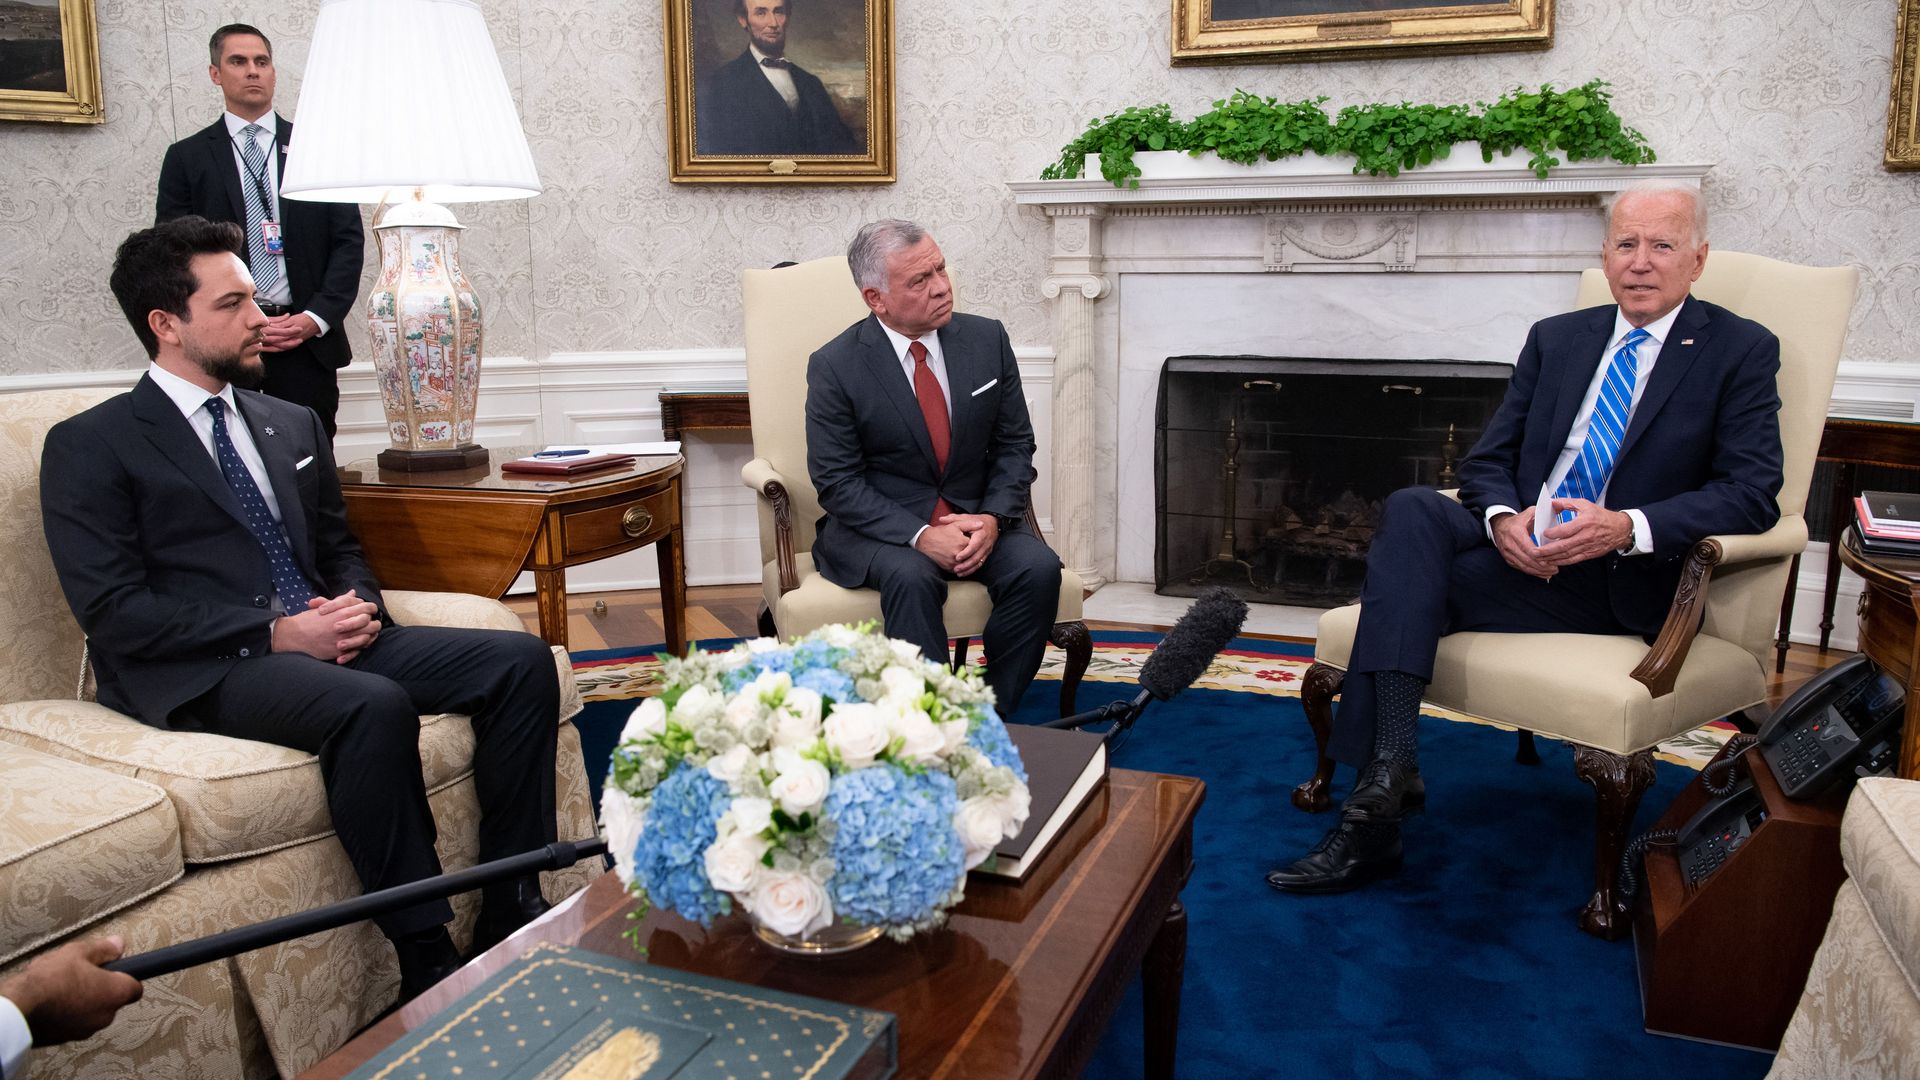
(1448, 451)
(1225, 560)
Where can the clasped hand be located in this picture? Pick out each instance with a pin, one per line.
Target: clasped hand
(1593, 532)
(959, 543)
(338, 629)
(283, 332)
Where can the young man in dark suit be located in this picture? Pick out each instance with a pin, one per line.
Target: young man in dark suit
(921, 450)
(304, 256)
(763, 104)
(200, 537)
(1649, 424)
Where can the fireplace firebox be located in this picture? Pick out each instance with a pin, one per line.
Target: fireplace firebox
(1269, 472)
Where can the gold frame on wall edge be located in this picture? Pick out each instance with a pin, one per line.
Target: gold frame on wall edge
(1359, 29)
(79, 103)
(687, 165)
(1903, 108)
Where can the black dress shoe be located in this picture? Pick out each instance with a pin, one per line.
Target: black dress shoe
(425, 959)
(504, 909)
(1385, 794)
(1349, 856)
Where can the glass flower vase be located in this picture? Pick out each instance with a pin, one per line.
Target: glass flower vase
(829, 940)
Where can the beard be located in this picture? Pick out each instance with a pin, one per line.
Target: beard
(238, 368)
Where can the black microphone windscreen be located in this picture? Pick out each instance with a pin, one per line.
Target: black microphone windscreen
(1183, 655)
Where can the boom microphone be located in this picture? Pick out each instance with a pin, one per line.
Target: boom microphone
(555, 856)
(1176, 663)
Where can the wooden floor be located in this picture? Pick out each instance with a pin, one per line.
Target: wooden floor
(626, 619)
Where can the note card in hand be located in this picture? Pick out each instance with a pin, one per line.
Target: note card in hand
(1542, 515)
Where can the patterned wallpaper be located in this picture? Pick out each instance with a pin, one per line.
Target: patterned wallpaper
(1788, 99)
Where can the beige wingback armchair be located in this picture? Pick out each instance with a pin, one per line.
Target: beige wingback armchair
(791, 311)
(110, 826)
(1613, 696)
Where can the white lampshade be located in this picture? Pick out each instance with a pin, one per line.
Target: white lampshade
(405, 94)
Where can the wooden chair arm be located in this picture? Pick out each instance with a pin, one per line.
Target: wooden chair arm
(1660, 668)
(760, 475)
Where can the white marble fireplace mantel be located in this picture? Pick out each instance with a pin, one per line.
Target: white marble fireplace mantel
(1291, 259)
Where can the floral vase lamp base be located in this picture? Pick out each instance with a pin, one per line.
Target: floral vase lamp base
(425, 326)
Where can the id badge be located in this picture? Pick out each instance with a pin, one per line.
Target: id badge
(270, 235)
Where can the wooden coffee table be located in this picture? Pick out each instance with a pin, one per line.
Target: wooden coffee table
(1021, 983)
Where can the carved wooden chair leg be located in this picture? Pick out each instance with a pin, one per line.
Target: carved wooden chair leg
(1618, 783)
(1316, 698)
(1074, 640)
(1526, 753)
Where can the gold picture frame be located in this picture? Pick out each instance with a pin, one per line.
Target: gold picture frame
(50, 62)
(1217, 31)
(727, 119)
(1903, 106)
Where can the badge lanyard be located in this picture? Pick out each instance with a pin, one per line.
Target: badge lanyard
(270, 228)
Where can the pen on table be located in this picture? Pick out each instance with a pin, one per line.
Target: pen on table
(559, 453)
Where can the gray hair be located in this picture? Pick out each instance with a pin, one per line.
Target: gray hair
(1694, 196)
(875, 244)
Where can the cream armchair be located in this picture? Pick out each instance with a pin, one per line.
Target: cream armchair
(1613, 696)
(790, 312)
(110, 826)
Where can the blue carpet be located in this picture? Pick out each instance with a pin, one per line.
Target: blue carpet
(1468, 964)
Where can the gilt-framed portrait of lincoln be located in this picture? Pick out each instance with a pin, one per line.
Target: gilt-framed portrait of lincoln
(1239, 31)
(780, 91)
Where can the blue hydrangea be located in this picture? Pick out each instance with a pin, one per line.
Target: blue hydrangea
(669, 859)
(828, 683)
(989, 736)
(895, 850)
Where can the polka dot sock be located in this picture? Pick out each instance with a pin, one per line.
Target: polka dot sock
(1397, 713)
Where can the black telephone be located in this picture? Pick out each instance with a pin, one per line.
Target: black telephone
(1842, 725)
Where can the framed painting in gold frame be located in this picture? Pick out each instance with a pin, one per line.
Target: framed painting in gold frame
(1903, 109)
(1216, 31)
(778, 92)
(49, 61)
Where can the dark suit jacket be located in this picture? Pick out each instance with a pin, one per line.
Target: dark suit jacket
(153, 550)
(1701, 455)
(871, 458)
(324, 240)
(741, 113)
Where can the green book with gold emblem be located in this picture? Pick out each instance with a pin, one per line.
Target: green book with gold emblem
(561, 1013)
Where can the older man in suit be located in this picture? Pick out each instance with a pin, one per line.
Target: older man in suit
(1648, 424)
(201, 540)
(304, 256)
(763, 104)
(921, 450)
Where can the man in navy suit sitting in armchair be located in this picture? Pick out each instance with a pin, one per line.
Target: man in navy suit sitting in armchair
(1650, 424)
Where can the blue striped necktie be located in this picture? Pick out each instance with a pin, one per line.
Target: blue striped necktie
(264, 264)
(1605, 430)
(288, 581)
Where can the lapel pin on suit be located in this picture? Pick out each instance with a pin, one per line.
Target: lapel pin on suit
(1686, 341)
(269, 431)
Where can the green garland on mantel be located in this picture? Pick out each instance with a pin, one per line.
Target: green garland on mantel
(1579, 124)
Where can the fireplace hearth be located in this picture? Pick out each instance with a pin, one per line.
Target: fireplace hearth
(1269, 472)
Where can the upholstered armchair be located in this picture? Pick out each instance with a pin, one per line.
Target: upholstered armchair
(790, 312)
(1614, 697)
(110, 826)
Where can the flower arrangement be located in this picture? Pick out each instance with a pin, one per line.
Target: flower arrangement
(841, 778)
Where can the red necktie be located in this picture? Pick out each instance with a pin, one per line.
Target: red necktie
(933, 409)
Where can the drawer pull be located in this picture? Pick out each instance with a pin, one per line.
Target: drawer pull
(636, 521)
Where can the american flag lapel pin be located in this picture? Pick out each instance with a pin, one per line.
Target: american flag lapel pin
(1686, 341)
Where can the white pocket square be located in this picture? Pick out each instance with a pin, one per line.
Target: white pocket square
(303, 462)
(990, 384)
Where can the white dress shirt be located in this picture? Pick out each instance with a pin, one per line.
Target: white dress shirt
(282, 292)
(191, 400)
(936, 362)
(15, 1041)
(780, 77)
(1645, 356)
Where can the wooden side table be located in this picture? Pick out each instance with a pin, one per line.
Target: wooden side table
(719, 407)
(1889, 616)
(475, 530)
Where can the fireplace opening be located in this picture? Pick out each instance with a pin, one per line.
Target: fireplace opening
(1269, 472)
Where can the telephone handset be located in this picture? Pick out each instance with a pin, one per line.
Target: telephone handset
(1717, 830)
(1841, 725)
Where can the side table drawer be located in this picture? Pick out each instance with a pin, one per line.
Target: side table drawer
(586, 533)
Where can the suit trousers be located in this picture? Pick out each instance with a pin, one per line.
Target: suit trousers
(1022, 575)
(1432, 571)
(362, 719)
(301, 376)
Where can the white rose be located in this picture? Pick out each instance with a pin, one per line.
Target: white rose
(751, 815)
(790, 903)
(857, 732)
(733, 862)
(621, 818)
(647, 721)
(773, 684)
(744, 709)
(955, 734)
(727, 767)
(922, 740)
(762, 644)
(696, 705)
(797, 721)
(902, 684)
(801, 785)
(905, 652)
(982, 825)
(840, 635)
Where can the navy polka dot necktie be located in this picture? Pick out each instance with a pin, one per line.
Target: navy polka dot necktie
(288, 581)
